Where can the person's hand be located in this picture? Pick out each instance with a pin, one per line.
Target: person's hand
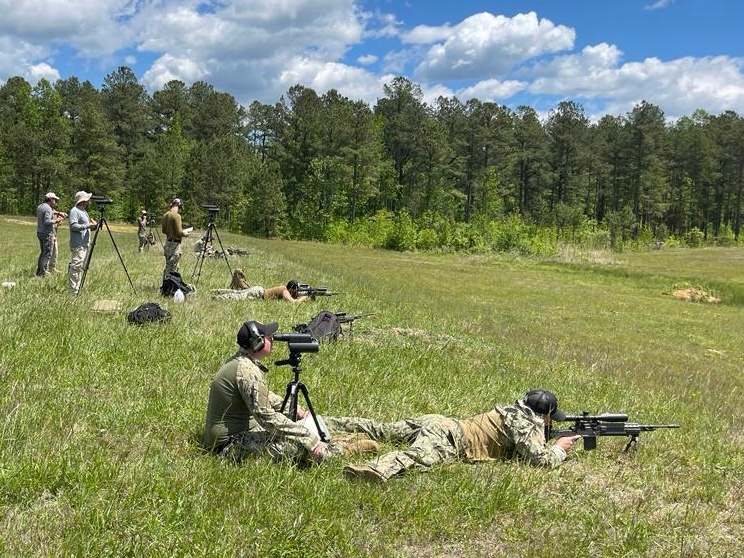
(318, 452)
(567, 442)
(302, 413)
(93, 224)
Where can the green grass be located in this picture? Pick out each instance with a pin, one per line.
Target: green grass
(99, 452)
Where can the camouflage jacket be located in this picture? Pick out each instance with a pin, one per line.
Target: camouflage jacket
(240, 399)
(508, 432)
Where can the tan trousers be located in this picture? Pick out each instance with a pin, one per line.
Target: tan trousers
(75, 273)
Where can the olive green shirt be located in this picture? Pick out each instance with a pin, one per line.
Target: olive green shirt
(172, 225)
(240, 400)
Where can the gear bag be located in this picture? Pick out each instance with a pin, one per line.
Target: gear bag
(148, 312)
(324, 326)
(173, 282)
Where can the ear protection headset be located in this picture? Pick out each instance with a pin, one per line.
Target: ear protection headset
(255, 340)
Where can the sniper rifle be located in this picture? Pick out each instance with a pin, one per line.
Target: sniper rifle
(589, 427)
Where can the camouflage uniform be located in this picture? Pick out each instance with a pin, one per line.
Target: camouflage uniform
(513, 431)
(243, 418)
(142, 232)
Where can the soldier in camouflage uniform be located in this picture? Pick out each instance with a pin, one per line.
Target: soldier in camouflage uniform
(513, 431)
(244, 418)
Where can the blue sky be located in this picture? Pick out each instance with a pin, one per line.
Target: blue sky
(607, 55)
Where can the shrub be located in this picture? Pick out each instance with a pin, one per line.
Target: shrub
(694, 238)
(402, 237)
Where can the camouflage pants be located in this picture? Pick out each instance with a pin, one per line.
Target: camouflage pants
(251, 293)
(344, 431)
(172, 253)
(434, 439)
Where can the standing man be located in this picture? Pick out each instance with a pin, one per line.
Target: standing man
(174, 233)
(46, 223)
(142, 230)
(80, 227)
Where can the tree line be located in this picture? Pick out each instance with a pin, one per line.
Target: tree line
(400, 174)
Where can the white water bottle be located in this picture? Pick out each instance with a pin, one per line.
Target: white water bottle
(178, 296)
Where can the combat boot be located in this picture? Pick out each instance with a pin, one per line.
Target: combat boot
(363, 472)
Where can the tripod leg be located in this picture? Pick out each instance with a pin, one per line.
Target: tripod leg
(116, 248)
(156, 235)
(224, 253)
(291, 398)
(89, 256)
(201, 255)
(301, 387)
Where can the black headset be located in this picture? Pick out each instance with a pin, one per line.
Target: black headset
(256, 339)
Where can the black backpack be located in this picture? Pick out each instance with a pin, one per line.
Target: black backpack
(324, 326)
(148, 312)
(173, 282)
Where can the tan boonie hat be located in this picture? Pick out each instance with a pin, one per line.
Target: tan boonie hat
(82, 196)
(51, 196)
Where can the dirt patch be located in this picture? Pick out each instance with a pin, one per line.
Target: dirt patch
(20, 222)
(694, 295)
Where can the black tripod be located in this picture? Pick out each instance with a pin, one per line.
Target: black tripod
(101, 223)
(206, 243)
(295, 387)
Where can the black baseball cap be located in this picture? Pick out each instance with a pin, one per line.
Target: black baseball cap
(544, 402)
(245, 332)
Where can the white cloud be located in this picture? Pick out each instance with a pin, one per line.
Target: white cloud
(17, 57)
(367, 59)
(168, 68)
(484, 45)
(678, 86)
(249, 48)
(90, 26)
(492, 90)
(426, 34)
(43, 70)
(659, 4)
(354, 83)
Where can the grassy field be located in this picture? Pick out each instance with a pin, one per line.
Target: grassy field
(101, 420)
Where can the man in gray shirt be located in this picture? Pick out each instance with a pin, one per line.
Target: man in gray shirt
(80, 227)
(46, 225)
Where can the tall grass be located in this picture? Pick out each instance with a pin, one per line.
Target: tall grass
(101, 420)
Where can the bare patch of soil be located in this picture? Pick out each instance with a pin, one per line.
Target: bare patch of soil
(694, 295)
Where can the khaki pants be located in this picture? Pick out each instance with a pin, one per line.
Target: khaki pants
(53, 255)
(75, 272)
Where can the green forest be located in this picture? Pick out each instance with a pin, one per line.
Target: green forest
(401, 174)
